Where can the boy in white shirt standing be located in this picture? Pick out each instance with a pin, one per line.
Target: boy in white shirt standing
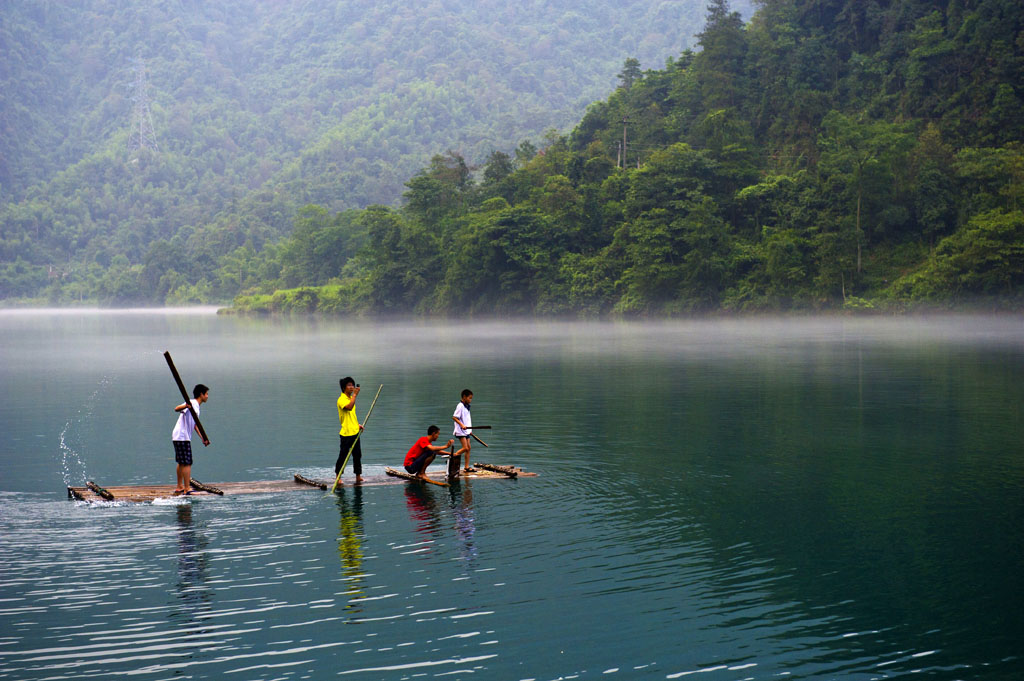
(463, 425)
(182, 437)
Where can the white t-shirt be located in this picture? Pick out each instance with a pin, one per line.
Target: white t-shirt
(186, 424)
(462, 414)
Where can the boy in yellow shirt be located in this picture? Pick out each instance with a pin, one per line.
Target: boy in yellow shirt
(350, 428)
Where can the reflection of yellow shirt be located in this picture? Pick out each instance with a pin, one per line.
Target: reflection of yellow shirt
(349, 422)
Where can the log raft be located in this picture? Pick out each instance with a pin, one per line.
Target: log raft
(149, 493)
(93, 492)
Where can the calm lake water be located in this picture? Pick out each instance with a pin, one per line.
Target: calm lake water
(806, 499)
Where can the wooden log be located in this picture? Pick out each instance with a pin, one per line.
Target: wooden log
(414, 478)
(99, 490)
(453, 464)
(188, 400)
(75, 494)
(510, 471)
(204, 488)
(308, 481)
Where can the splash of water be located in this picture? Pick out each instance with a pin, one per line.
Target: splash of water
(69, 458)
(72, 463)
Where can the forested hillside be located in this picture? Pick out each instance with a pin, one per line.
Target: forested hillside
(825, 154)
(830, 153)
(133, 135)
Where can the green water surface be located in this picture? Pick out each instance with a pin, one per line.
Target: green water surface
(754, 499)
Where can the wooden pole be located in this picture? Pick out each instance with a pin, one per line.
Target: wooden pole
(453, 463)
(307, 481)
(479, 440)
(100, 490)
(203, 487)
(345, 462)
(507, 470)
(414, 478)
(188, 400)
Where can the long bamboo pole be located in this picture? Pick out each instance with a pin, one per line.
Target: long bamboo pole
(345, 462)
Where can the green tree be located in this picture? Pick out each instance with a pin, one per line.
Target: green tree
(630, 73)
(858, 160)
(984, 258)
(439, 190)
(720, 64)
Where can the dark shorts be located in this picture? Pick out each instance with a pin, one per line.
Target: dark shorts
(183, 452)
(419, 463)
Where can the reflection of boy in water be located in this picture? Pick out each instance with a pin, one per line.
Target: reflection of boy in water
(350, 548)
(465, 524)
(422, 453)
(192, 589)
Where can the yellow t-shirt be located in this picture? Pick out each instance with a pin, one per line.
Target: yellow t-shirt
(349, 422)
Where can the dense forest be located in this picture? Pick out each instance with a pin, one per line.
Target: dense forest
(825, 154)
(829, 153)
(133, 134)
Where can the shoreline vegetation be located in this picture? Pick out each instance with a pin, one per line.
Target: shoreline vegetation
(996, 307)
(328, 301)
(844, 157)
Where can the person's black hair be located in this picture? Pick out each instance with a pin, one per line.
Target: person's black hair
(345, 381)
(433, 429)
(467, 392)
(199, 390)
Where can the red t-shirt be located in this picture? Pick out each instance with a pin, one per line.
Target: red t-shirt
(416, 450)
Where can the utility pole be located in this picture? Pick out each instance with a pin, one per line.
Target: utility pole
(625, 121)
(142, 135)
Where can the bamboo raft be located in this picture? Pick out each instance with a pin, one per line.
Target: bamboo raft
(92, 492)
(454, 472)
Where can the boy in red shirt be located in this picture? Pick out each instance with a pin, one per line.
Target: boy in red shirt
(422, 453)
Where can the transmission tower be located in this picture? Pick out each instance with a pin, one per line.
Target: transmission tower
(142, 135)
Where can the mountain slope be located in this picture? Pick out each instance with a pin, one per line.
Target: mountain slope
(260, 107)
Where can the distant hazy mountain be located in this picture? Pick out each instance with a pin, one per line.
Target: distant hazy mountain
(244, 109)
